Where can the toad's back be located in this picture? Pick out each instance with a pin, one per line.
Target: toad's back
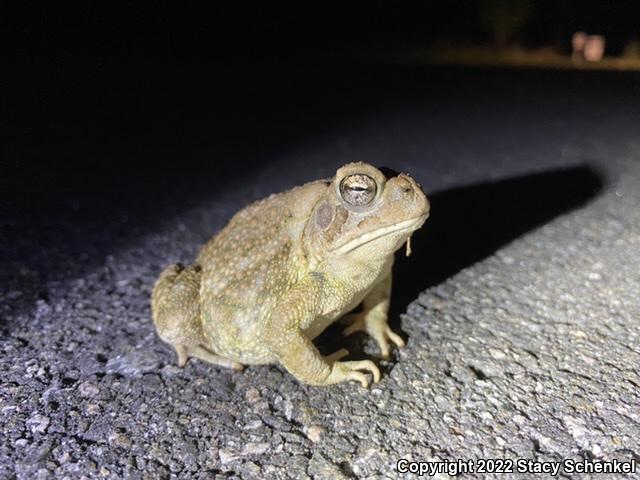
(246, 268)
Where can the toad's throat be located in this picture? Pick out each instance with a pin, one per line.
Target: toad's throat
(407, 226)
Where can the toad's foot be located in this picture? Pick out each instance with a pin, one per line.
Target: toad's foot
(202, 353)
(346, 371)
(375, 324)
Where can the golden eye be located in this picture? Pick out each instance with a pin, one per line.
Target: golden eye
(358, 189)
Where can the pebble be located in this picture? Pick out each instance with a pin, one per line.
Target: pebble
(88, 389)
(252, 396)
(227, 456)
(120, 440)
(314, 433)
(133, 364)
(255, 448)
(38, 423)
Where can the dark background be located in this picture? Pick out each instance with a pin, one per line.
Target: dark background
(113, 109)
(88, 75)
(237, 31)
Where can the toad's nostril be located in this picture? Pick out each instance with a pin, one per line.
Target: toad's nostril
(405, 186)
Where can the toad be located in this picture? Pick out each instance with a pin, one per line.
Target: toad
(286, 267)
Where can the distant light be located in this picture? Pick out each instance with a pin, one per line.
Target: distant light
(587, 47)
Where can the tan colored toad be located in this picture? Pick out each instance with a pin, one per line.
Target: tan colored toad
(288, 266)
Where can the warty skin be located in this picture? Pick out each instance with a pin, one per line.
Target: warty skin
(286, 267)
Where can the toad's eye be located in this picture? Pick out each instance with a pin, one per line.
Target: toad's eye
(358, 189)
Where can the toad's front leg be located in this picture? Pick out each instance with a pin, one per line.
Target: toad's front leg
(373, 318)
(283, 333)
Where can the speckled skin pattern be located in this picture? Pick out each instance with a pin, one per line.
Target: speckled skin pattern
(285, 268)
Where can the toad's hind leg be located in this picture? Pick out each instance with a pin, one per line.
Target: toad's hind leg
(175, 304)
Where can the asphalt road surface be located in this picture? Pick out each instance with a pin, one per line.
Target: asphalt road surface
(520, 304)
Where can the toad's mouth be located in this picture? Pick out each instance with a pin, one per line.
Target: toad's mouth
(404, 226)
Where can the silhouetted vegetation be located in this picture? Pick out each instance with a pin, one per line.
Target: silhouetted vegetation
(505, 17)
